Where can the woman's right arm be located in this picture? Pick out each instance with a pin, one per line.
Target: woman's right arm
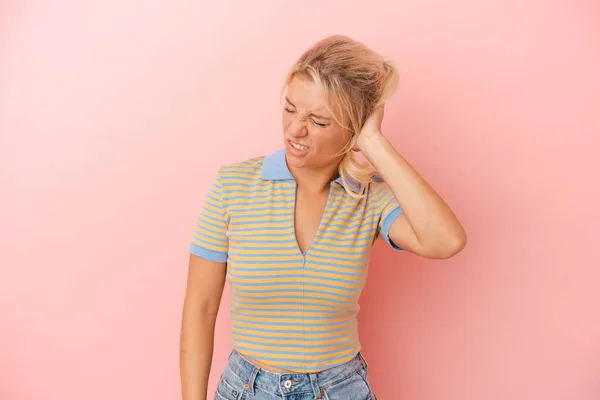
(205, 283)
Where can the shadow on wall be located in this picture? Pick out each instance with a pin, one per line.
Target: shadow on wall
(415, 317)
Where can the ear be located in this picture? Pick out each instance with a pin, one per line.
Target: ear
(354, 143)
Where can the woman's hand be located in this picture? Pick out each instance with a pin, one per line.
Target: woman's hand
(370, 129)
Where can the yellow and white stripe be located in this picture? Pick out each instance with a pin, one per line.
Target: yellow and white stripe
(291, 310)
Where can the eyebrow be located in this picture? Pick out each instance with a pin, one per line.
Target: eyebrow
(313, 114)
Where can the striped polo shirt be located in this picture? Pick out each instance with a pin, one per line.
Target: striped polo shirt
(290, 309)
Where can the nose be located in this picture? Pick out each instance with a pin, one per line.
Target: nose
(298, 128)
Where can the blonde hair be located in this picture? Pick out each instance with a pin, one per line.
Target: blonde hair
(360, 80)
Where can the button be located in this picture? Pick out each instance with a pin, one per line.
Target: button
(287, 384)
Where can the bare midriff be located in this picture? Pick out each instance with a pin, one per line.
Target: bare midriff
(267, 367)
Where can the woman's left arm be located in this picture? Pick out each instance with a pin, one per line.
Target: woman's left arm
(427, 226)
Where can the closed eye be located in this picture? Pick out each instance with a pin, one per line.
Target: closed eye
(290, 111)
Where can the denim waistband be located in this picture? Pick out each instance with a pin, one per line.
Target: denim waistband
(291, 383)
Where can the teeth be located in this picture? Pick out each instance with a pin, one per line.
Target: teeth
(298, 146)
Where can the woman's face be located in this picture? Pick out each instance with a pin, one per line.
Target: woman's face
(312, 137)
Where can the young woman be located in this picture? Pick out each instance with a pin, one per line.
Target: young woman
(292, 233)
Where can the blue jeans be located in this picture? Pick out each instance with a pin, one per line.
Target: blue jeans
(243, 380)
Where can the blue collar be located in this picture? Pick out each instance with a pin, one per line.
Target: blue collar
(275, 168)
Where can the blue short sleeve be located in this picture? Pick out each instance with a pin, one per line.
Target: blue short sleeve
(209, 239)
(389, 211)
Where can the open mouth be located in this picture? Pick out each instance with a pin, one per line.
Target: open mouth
(298, 146)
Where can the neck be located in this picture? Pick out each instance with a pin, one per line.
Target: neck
(312, 180)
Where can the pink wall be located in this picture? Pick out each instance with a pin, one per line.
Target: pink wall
(115, 115)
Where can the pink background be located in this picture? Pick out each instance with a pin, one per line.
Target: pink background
(114, 116)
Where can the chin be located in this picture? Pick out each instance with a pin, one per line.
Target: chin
(296, 162)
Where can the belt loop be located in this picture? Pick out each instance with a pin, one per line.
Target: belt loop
(315, 386)
(251, 381)
(363, 361)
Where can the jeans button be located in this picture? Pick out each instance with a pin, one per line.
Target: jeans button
(287, 384)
